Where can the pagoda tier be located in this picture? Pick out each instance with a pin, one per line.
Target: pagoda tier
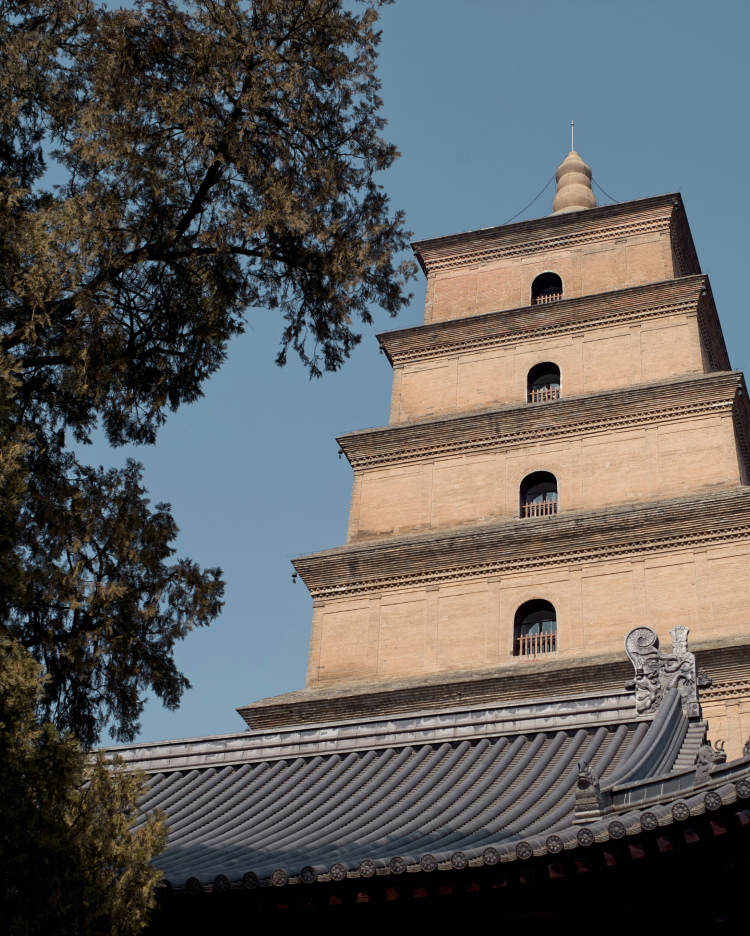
(566, 468)
(600, 342)
(681, 436)
(605, 248)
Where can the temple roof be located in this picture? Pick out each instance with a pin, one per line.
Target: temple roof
(432, 798)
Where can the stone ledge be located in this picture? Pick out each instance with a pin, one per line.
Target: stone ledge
(520, 423)
(572, 315)
(598, 676)
(545, 233)
(497, 548)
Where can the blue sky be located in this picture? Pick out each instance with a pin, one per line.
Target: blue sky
(479, 95)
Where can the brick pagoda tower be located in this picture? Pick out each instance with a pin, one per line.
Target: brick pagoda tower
(566, 459)
(565, 468)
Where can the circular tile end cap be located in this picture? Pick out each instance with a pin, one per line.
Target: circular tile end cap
(554, 844)
(524, 851)
(397, 865)
(250, 880)
(585, 837)
(337, 871)
(712, 800)
(490, 856)
(649, 821)
(279, 878)
(680, 812)
(616, 830)
(459, 860)
(367, 868)
(308, 875)
(193, 885)
(743, 788)
(428, 862)
(221, 883)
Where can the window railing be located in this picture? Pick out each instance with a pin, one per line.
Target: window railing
(542, 509)
(536, 645)
(548, 297)
(546, 393)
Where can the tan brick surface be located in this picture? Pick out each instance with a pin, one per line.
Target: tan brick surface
(597, 604)
(600, 470)
(506, 284)
(603, 359)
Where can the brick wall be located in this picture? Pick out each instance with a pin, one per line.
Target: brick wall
(506, 284)
(430, 475)
(597, 470)
(601, 359)
(462, 626)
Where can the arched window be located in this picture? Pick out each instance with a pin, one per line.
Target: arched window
(535, 629)
(547, 287)
(539, 495)
(543, 383)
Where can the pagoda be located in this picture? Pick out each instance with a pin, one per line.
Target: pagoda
(563, 484)
(567, 459)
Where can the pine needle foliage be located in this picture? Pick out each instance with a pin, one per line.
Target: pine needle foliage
(75, 857)
(163, 169)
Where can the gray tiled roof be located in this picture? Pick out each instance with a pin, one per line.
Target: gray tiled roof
(391, 807)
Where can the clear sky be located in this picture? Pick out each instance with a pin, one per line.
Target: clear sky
(479, 95)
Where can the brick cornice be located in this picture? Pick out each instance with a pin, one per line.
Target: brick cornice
(567, 317)
(727, 663)
(528, 545)
(660, 213)
(575, 416)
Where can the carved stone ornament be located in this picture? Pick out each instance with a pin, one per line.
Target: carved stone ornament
(708, 758)
(590, 802)
(657, 672)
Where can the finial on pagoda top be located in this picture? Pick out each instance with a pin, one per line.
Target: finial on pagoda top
(574, 192)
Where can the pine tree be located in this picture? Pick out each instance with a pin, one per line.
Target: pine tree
(75, 857)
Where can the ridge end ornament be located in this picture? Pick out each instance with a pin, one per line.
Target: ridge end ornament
(656, 671)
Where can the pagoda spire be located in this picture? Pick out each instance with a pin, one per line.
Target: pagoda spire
(574, 192)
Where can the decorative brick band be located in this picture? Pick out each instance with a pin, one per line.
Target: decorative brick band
(662, 213)
(525, 423)
(660, 222)
(566, 317)
(566, 539)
